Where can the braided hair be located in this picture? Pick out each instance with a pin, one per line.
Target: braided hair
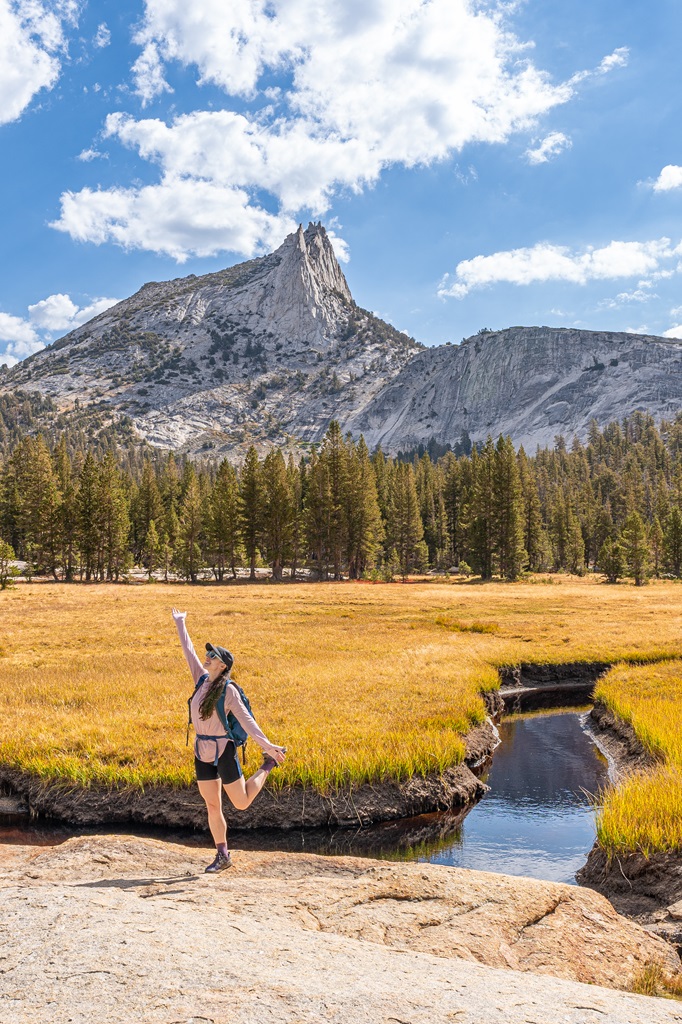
(208, 704)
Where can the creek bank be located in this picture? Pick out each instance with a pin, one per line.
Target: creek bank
(530, 687)
(125, 929)
(457, 789)
(645, 889)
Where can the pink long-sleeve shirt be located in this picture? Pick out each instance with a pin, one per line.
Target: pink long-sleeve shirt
(205, 750)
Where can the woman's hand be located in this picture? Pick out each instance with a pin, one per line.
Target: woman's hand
(278, 753)
(178, 615)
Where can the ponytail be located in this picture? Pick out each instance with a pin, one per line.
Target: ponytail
(208, 704)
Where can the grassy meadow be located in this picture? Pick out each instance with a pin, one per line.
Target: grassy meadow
(360, 681)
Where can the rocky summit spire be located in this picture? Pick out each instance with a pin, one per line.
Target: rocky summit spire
(306, 290)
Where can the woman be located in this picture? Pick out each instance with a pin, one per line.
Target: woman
(215, 756)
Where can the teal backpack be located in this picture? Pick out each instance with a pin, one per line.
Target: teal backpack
(232, 727)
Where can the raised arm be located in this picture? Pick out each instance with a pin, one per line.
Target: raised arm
(235, 704)
(191, 657)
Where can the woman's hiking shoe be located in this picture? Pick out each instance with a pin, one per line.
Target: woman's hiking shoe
(219, 864)
(269, 763)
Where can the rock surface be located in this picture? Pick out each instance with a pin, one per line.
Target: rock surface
(116, 929)
(269, 351)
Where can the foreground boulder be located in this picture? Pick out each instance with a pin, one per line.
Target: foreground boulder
(115, 928)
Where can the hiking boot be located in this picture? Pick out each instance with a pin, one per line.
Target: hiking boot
(219, 864)
(269, 762)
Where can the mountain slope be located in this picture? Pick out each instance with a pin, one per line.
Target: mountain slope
(269, 351)
(266, 351)
(530, 382)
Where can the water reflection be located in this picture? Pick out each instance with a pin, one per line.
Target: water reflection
(535, 821)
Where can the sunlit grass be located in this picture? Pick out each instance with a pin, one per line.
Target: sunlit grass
(644, 813)
(361, 682)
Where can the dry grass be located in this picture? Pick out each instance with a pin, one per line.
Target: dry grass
(644, 813)
(359, 681)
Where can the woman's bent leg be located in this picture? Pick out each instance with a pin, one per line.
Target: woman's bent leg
(211, 792)
(243, 792)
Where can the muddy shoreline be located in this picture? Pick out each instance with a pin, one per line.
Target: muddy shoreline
(457, 789)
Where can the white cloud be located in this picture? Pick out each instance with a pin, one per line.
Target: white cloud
(56, 314)
(673, 332)
(177, 217)
(669, 178)
(618, 59)
(31, 41)
(551, 146)
(87, 155)
(148, 75)
(60, 313)
(20, 339)
(341, 248)
(102, 36)
(642, 293)
(546, 262)
(371, 85)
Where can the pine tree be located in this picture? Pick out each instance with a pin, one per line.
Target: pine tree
(188, 553)
(406, 532)
(277, 511)
(113, 520)
(147, 504)
(508, 511)
(365, 530)
(7, 570)
(297, 489)
(672, 542)
(251, 495)
(611, 560)
(223, 525)
(87, 517)
(152, 550)
(317, 514)
(67, 525)
(534, 534)
(335, 455)
(636, 548)
(657, 543)
(483, 510)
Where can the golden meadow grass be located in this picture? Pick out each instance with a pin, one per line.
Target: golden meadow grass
(645, 811)
(360, 681)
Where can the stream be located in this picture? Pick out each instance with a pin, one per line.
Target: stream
(537, 820)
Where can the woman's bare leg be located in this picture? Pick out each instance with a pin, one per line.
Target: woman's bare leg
(211, 792)
(243, 792)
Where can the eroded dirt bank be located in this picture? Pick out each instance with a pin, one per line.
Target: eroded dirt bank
(646, 889)
(116, 928)
(293, 807)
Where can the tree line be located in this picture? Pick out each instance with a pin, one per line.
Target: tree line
(612, 504)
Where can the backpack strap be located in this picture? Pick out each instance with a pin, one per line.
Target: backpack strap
(199, 681)
(225, 719)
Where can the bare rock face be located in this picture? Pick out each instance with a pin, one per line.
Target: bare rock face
(530, 382)
(114, 928)
(269, 351)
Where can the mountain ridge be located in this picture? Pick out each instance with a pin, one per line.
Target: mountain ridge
(270, 350)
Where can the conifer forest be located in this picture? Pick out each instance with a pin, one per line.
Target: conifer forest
(612, 505)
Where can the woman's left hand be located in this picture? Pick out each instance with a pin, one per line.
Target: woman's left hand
(278, 753)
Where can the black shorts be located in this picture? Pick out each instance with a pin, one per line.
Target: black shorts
(228, 768)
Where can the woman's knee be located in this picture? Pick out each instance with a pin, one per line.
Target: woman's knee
(238, 798)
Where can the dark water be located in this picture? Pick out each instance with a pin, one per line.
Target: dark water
(537, 820)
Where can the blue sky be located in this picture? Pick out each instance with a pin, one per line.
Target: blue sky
(478, 164)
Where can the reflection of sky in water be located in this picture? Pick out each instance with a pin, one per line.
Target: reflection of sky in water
(536, 820)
